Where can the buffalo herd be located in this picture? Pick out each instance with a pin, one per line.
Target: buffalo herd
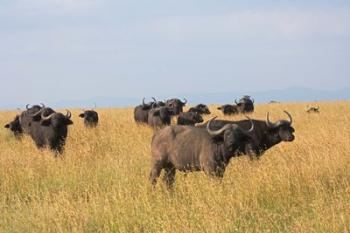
(189, 145)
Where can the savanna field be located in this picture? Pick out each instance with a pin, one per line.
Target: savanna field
(100, 184)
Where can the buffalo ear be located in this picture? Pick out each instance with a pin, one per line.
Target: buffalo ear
(7, 126)
(82, 115)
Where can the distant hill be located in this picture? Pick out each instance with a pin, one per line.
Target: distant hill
(295, 94)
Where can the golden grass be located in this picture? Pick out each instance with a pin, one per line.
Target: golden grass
(101, 183)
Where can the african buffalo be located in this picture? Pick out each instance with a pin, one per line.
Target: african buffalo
(141, 111)
(22, 123)
(265, 134)
(90, 118)
(229, 109)
(159, 117)
(200, 108)
(189, 118)
(175, 105)
(188, 149)
(313, 110)
(245, 104)
(51, 130)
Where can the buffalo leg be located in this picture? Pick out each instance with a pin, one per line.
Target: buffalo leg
(169, 176)
(155, 172)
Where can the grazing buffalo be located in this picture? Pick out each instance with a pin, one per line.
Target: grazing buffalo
(141, 111)
(15, 127)
(313, 110)
(189, 118)
(159, 117)
(200, 108)
(90, 118)
(245, 104)
(51, 130)
(265, 134)
(176, 105)
(229, 109)
(188, 149)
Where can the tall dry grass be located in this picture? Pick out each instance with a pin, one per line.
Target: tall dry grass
(101, 182)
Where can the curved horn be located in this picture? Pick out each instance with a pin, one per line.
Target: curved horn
(37, 113)
(143, 102)
(268, 122)
(236, 101)
(217, 132)
(27, 106)
(185, 101)
(154, 99)
(43, 105)
(253, 100)
(69, 114)
(47, 117)
(251, 128)
(290, 117)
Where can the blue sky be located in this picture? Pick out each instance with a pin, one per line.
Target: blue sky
(53, 50)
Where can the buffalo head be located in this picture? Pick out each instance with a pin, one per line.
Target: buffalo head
(56, 119)
(90, 118)
(15, 126)
(232, 134)
(176, 105)
(283, 128)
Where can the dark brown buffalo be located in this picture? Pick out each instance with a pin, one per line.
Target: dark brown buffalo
(141, 112)
(229, 109)
(188, 149)
(22, 123)
(265, 134)
(200, 108)
(175, 105)
(51, 130)
(245, 104)
(159, 117)
(189, 118)
(90, 118)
